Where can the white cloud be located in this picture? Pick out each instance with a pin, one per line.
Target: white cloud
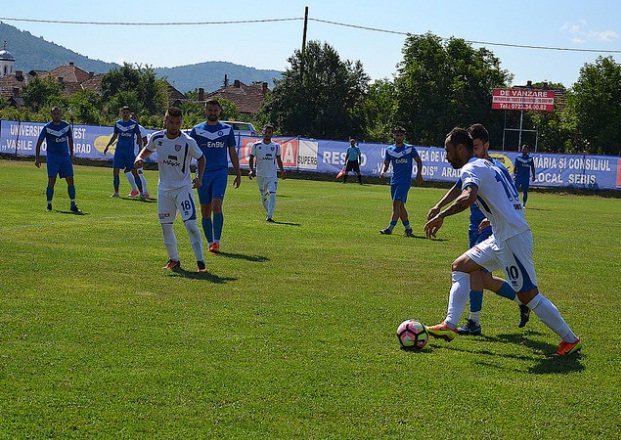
(580, 33)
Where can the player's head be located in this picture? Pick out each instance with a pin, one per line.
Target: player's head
(172, 121)
(352, 142)
(268, 132)
(212, 110)
(56, 114)
(458, 147)
(399, 134)
(480, 140)
(525, 149)
(125, 113)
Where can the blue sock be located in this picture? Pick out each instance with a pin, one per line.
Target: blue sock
(49, 193)
(138, 182)
(117, 182)
(392, 224)
(218, 223)
(71, 191)
(525, 197)
(208, 229)
(476, 300)
(406, 224)
(506, 291)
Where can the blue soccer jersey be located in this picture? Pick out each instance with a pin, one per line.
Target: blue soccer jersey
(215, 141)
(523, 166)
(127, 133)
(402, 159)
(56, 137)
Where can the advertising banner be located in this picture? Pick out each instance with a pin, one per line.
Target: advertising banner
(523, 99)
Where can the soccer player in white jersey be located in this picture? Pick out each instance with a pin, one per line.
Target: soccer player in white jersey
(267, 154)
(175, 151)
(510, 247)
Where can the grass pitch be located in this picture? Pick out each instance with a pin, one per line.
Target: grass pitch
(292, 333)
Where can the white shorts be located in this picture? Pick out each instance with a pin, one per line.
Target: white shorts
(267, 184)
(171, 201)
(514, 256)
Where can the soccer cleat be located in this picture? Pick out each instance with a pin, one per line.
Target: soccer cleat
(409, 233)
(115, 195)
(524, 315)
(565, 348)
(270, 220)
(172, 265)
(134, 193)
(75, 209)
(145, 195)
(49, 207)
(442, 331)
(214, 248)
(470, 328)
(201, 267)
(386, 231)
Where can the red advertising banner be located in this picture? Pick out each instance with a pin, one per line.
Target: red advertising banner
(523, 99)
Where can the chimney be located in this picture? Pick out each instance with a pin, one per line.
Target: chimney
(19, 75)
(226, 80)
(237, 83)
(264, 88)
(61, 81)
(529, 83)
(16, 91)
(71, 63)
(201, 94)
(91, 74)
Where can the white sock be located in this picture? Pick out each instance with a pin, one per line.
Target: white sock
(196, 239)
(458, 297)
(143, 180)
(131, 180)
(271, 205)
(170, 241)
(475, 316)
(264, 200)
(549, 314)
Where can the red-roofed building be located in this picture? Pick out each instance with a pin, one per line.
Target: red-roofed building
(247, 98)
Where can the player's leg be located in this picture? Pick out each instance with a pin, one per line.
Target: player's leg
(167, 211)
(357, 170)
(143, 183)
(66, 172)
(116, 180)
(518, 262)
(502, 288)
(137, 180)
(219, 188)
(396, 209)
(128, 165)
(187, 208)
(348, 168)
(204, 197)
(49, 191)
(525, 186)
(272, 186)
(404, 216)
(261, 184)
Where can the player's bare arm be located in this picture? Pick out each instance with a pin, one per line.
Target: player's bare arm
(419, 170)
(386, 164)
(281, 167)
(448, 198)
(38, 154)
(235, 162)
(461, 203)
(144, 154)
(200, 171)
(110, 142)
(251, 166)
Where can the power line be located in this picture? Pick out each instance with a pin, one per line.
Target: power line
(272, 20)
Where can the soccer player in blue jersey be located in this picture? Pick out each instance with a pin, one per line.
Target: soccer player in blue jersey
(510, 247)
(478, 231)
(352, 158)
(402, 157)
(522, 169)
(128, 133)
(215, 139)
(58, 137)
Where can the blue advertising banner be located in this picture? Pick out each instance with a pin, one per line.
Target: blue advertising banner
(325, 156)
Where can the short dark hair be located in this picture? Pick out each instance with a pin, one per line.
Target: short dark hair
(270, 126)
(478, 131)
(213, 101)
(174, 112)
(460, 136)
(125, 107)
(398, 128)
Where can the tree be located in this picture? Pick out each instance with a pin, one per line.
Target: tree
(326, 103)
(85, 107)
(41, 92)
(597, 101)
(441, 84)
(380, 108)
(135, 86)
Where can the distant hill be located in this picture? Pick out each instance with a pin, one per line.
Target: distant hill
(34, 53)
(210, 75)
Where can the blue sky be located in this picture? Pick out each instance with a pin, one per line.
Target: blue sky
(569, 24)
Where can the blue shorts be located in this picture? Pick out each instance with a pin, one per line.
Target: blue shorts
(522, 185)
(59, 166)
(123, 159)
(213, 187)
(476, 238)
(400, 192)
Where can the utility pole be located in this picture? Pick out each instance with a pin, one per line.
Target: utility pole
(303, 54)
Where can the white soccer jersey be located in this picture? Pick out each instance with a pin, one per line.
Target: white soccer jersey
(143, 134)
(173, 158)
(265, 157)
(496, 196)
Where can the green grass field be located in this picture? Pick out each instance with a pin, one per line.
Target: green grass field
(292, 333)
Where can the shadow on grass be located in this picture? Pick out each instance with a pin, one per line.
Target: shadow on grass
(285, 223)
(549, 364)
(255, 258)
(71, 212)
(138, 199)
(206, 276)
